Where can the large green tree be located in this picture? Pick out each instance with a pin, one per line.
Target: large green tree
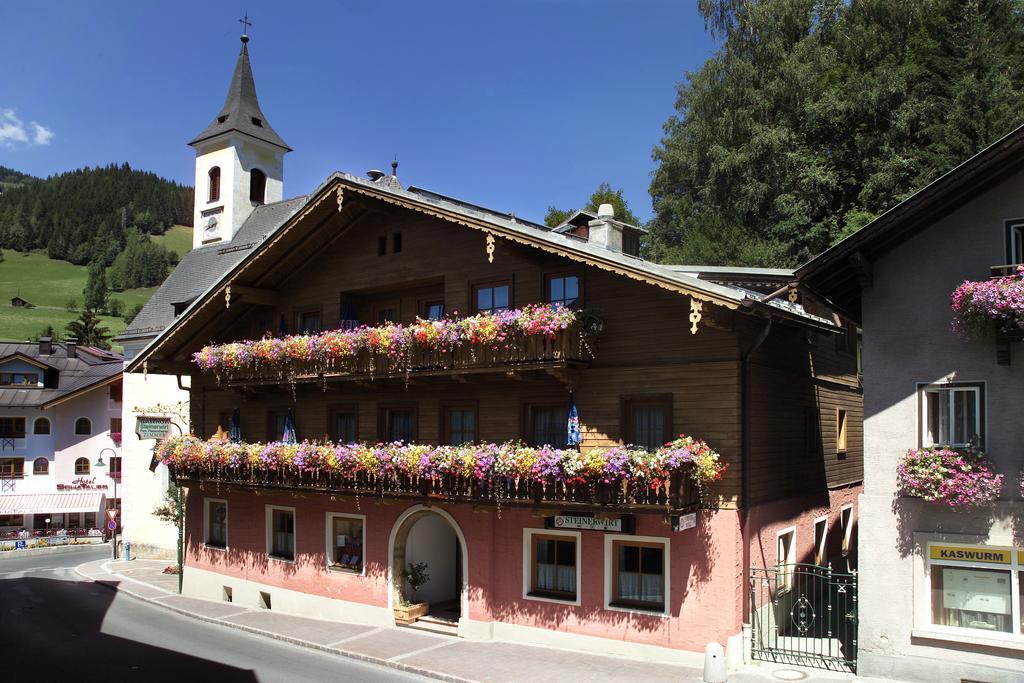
(604, 194)
(88, 329)
(816, 115)
(96, 287)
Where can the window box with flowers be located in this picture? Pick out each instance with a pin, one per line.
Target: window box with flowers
(961, 479)
(993, 307)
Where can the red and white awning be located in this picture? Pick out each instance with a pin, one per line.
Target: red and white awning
(38, 503)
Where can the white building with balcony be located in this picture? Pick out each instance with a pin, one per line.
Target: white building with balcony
(60, 416)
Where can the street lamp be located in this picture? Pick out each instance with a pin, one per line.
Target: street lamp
(100, 463)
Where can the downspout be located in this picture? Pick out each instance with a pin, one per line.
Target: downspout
(746, 457)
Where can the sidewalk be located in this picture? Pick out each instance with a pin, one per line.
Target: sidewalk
(435, 656)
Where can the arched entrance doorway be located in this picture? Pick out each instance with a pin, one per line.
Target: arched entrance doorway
(430, 535)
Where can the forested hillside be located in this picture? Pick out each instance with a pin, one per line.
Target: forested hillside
(814, 116)
(91, 214)
(10, 179)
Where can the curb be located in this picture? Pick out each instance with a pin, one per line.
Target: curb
(399, 666)
(51, 550)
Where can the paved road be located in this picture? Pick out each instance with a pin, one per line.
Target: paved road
(56, 627)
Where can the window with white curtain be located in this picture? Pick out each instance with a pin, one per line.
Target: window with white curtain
(638, 575)
(281, 533)
(554, 566)
(951, 414)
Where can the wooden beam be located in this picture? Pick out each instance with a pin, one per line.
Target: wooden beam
(253, 295)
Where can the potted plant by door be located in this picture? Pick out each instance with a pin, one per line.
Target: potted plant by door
(408, 611)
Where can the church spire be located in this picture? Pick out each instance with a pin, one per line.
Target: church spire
(241, 110)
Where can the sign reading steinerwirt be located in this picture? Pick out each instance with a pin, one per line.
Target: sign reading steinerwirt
(588, 523)
(152, 427)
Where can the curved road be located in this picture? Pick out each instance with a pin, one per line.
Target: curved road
(55, 626)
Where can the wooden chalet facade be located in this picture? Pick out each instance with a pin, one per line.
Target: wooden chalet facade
(737, 358)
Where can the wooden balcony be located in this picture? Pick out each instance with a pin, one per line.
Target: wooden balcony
(568, 349)
(679, 495)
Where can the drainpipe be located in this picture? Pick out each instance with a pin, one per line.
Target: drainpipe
(745, 454)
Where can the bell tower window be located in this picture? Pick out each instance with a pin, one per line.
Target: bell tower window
(214, 184)
(257, 186)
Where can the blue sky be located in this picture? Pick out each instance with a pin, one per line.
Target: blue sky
(516, 105)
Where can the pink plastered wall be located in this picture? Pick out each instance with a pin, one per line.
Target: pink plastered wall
(766, 521)
(705, 581)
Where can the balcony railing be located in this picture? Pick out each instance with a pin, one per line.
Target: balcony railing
(570, 347)
(678, 494)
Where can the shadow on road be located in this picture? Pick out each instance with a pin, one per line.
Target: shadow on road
(53, 630)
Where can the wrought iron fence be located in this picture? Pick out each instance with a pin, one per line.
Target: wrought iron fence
(804, 614)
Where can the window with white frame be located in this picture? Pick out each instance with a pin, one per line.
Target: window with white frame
(637, 573)
(346, 542)
(281, 533)
(951, 414)
(216, 527)
(785, 560)
(552, 567)
(1014, 242)
(846, 525)
(821, 541)
(976, 589)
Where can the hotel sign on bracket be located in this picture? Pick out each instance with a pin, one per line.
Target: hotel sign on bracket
(152, 427)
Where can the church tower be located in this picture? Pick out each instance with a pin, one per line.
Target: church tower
(239, 161)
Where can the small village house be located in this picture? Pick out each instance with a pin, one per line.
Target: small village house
(60, 416)
(942, 584)
(742, 359)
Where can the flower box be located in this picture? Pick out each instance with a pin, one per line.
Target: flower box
(961, 479)
(408, 613)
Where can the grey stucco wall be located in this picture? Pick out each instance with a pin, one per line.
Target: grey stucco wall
(908, 339)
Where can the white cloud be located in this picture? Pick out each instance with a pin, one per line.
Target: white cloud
(41, 135)
(13, 131)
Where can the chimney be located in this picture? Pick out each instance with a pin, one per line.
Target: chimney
(606, 231)
(71, 344)
(45, 346)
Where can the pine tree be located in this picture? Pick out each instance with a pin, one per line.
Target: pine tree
(88, 329)
(96, 287)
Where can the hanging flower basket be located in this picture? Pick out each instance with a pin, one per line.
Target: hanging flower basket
(996, 304)
(959, 479)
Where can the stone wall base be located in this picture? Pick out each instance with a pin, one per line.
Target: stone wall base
(930, 670)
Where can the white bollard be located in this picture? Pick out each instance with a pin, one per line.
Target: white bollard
(734, 648)
(714, 664)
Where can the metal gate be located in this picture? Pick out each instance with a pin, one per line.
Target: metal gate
(804, 614)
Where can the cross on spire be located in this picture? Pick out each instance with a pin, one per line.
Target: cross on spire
(244, 21)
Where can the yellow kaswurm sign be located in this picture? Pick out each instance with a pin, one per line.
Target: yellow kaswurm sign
(977, 554)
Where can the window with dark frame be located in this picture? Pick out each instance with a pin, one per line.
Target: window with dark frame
(115, 425)
(398, 424)
(83, 426)
(216, 523)
(282, 534)
(19, 379)
(553, 568)
(41, 426)
(346, 544)
(308, 322)
(385, 314)
(12, 428)
(547, 425)
(115, 467)
(12, 468)
(214, 183)
(396, 243)
(432, 309)
(648, 421)
(116, 392)
(82, 466)
(41, 466)
(257, 186)
(492, 297)
(275, 424)
(460, 425)
(563, 288)
(12, 520)
(345, 423)
(638, 575)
